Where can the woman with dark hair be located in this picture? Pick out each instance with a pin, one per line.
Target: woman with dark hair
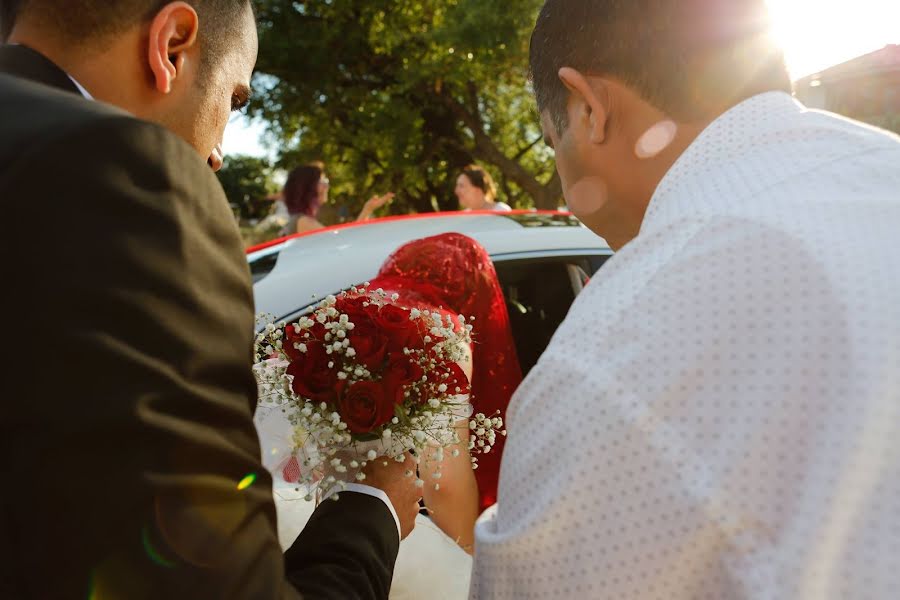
(475, 190)
(306, 190)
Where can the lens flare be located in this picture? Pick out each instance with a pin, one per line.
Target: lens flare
(155, 556)
(246, 482)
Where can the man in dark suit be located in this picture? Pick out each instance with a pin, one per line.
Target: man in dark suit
(126, 438)
(8, 9)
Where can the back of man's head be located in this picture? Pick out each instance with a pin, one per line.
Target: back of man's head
(91, 24)
(8, 9)
(688, 58)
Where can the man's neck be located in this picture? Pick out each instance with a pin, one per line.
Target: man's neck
(91, 71)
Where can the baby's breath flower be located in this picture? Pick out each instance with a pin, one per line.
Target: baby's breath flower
(319, 431)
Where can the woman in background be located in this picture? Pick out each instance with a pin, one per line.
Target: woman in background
(306, 190)
(475, 190)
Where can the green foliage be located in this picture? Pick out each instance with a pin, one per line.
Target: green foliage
(247, 182)
(892, 122)
(401, 94)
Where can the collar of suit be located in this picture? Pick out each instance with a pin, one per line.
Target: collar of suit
(22, 61)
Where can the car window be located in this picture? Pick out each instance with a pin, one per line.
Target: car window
(262, 264)
(539, 293)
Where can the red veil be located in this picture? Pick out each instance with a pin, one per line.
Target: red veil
(455, 273)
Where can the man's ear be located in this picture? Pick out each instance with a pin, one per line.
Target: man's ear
(173, 32)
(587, 97)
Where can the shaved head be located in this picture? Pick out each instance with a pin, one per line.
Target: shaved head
(92, 23)
(8, 9)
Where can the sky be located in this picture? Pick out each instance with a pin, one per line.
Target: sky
(243, 136)
(815, 34)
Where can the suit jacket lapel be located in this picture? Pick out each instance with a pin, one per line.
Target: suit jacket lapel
(23, 62)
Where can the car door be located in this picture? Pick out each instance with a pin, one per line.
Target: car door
(539, 289)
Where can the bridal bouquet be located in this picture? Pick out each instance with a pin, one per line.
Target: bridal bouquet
(364, 378)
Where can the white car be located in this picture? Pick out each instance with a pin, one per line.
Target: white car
(543, 260)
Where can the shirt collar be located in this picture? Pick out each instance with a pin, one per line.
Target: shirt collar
(80, 87)
(711, 169)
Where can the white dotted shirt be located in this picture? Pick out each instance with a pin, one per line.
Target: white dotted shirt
(719, 415)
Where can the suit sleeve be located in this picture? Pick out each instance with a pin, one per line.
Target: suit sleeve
(130, 434)
(334, 557)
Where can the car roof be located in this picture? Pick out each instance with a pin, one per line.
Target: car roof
(310, 266)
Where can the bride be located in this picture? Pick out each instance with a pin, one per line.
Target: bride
(450, 273)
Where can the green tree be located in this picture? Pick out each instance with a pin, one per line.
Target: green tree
(401, 94)
(247, 181)
(892, 122)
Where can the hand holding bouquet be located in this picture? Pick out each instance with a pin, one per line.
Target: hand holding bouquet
(365, 378)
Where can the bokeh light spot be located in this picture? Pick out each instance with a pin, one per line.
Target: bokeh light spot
(155, 556)
(247, 482)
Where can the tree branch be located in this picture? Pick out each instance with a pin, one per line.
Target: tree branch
(486, 149)
(525, 150)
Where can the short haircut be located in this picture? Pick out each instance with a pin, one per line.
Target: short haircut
(481, 179)
(8, 10)
(682, 56)
(83, 22)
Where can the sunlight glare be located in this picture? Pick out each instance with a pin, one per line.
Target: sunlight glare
(817, 34)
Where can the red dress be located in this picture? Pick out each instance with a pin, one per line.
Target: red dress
(454, 273)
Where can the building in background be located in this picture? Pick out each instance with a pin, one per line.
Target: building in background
(866, 88)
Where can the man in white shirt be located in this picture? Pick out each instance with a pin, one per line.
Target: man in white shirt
(718, 416)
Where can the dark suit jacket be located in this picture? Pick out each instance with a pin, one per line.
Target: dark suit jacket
(127, 408)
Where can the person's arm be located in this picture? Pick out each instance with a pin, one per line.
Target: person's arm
(332, 537)
(130, 440)
(454, 505)
(373, 204)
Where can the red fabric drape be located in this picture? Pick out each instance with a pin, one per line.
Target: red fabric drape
(454, 273)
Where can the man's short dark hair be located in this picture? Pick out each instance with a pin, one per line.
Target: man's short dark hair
(85, 22)
(685, 57)
(8, 10)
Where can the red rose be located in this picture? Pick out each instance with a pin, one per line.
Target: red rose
(354, 307)
(365, 405)
(400, 331)
(313, 379)
(308, 337)
(401, 372)
(367, 338)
